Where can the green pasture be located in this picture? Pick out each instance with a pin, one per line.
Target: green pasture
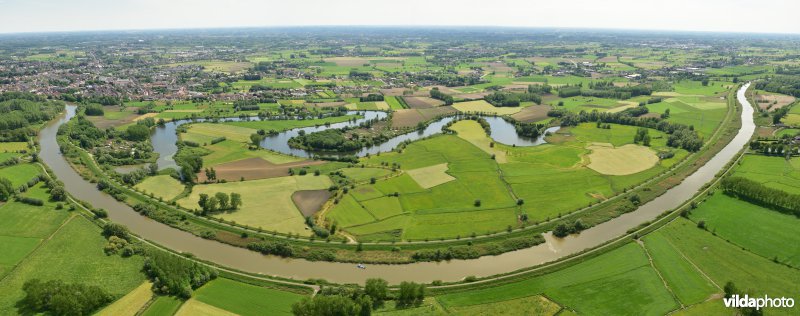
(768, 233)
(619, 282)
(245, 299)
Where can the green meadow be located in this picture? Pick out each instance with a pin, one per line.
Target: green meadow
(768, 233)
(245, 299)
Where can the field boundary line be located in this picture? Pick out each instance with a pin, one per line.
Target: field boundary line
(692, 263)
(640, 242)
(39, 246)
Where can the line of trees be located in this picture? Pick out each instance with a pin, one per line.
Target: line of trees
(508, 99)
(760, 194)
(220, 201)
(357, 301)
(438, 95)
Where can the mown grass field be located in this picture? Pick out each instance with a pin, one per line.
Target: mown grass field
(481, 106)
(768, 233)
(193, 307)
(245, 299)
(619, 282)
(228, 151)
(689, 284)
(472, 132)
(163, 305)
(266, 203)
(432, 212)
(774, 172)
(364, 174)
(131, 303)
(13, 146)
(74, 253)
(552, 179)
(20, 174)
(531, 305)
(723, 262)
(162, 186)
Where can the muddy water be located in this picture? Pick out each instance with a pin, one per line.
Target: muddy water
(421, 272)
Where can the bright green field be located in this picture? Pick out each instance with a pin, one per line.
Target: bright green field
(774, 172)
(433, 212)
(788, 131)
(163, 186)
(20, 174)
(552, 179)
(363, 174)
(163, 305)
(688, 284)
(74, 254)
(228, 151)
(394, 104)
(245, 299)
(723, 262)
(767, 233)
(619, 282)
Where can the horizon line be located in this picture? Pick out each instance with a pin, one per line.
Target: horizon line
(199, 28)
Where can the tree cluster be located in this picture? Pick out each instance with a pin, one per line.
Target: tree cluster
(680, 136)
(174, 275)
(220, 201)
(763, 195)
(60, 298)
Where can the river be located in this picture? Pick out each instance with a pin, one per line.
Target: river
(248, 261)
(164, 137)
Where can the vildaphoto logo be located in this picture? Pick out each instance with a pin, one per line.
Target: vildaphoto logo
(738, 301)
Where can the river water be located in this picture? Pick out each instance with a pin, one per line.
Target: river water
(164, 137)
(248, 261)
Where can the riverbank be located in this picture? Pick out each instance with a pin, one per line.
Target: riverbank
(338, 272)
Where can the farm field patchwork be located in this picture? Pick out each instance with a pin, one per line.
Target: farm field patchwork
(472, 132)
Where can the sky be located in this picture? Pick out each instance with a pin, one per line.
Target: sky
(756, 16)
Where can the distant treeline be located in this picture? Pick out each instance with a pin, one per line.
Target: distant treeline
(604, 90)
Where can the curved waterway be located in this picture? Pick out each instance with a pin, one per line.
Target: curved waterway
(164, 137)
(245, 260)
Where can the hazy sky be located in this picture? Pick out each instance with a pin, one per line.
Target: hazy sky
(771, 16)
